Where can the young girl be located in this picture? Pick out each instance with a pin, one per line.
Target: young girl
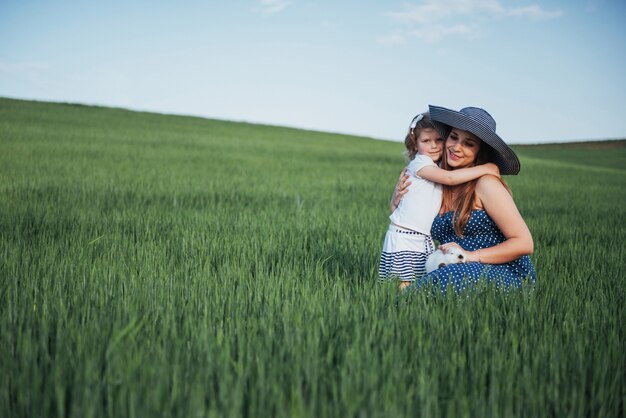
(408, 242)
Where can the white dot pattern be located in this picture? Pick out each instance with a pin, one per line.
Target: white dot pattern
(480, 232)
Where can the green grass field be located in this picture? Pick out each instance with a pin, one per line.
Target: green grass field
(156, 265)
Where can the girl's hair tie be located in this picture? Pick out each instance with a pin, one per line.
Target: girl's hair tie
(416, 120)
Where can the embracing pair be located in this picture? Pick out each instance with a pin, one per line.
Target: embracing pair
(473, 211)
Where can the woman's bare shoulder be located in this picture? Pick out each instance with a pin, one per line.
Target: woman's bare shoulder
(489, 188)
(488, 181)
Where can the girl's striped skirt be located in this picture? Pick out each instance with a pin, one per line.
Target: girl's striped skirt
(404, 254)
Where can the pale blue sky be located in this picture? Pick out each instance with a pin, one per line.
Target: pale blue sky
(546, 70)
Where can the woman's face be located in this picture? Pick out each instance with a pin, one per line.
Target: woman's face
(430, 143)
(461, 148)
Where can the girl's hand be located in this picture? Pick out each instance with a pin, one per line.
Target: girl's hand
(493, 169)
(402, 187)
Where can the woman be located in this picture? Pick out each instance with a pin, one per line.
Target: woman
(479, 216)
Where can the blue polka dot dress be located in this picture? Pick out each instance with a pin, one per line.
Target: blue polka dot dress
(480, 232)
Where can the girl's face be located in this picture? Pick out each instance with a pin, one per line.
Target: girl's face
(461, 148)
(430, 144)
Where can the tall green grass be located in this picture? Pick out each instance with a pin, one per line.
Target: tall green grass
(156, 265)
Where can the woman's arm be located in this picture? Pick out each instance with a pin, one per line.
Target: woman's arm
(402, 187)
(454, 177)
(499, 205)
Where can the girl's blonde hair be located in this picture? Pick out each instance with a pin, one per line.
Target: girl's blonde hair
(461, 199)
(419, 123)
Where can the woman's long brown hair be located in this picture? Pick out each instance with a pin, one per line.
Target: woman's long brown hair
(461, 199)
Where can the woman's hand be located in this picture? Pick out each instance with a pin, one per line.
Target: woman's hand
(470, 256)
(402, 187)
(445, 247)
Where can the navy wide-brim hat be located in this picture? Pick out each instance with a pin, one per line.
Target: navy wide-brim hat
(479, 122)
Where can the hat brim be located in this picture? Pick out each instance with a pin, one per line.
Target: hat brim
(503, 156)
